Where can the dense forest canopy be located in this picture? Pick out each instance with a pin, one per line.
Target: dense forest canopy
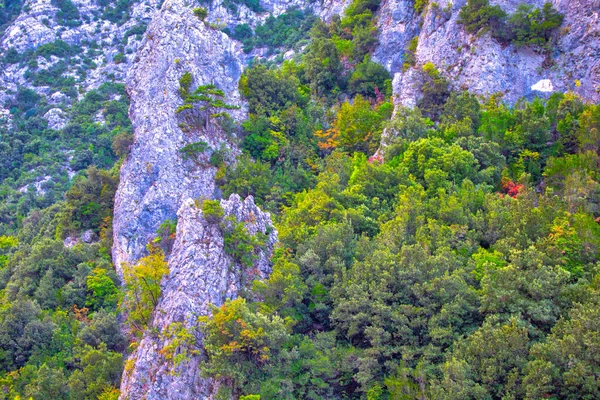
(444, 251)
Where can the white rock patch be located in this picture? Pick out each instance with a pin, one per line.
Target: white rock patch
(545, 85)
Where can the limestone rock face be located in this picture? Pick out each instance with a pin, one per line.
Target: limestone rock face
(37, 25)
(482, 64)
(201, 273)
(56, 118)
(155, 178)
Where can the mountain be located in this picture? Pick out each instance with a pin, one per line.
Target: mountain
(173, 100)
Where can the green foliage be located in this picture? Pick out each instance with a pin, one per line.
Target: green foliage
(284, 31)
(136, 30)
(435, 89)
(89, 202)
(201, 13)
(479, 15)
(30, 150)
(102, 290)
(181, 344)
(461, 264)
(323, 66)
(563, 366)
(115, 11)
(212, 211)
(248, 178)
(165, 235)
(253, 5)
(455, 267)
(531, 26)
(68, 14)
(527, 26)
(487, 364)
(369, 79)
(239, 243)
(121, 143)
(421, 5)
(269, 91)
(8, 11)
(57, 48)
(236, 332)
(191, 151)
(6, 243)
(185, 83)
(359, 126)
(203, 104)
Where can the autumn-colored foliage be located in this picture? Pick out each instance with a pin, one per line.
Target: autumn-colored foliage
(510, 188)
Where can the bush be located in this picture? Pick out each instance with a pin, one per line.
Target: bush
(12, 56)
(239, 243)
(192, 150)
(142, 289)
(185, 82)
(528, 26)
(253, 5)
(248, 177)
(212, 210)
(119, 58)
(479, 15)
(136, 30)
(121, 143)
(435, 89)
(368, 79)
(532, 26)
(268, 91)
(201, 13)
(359, 126)
(68, 13)
(57, 48)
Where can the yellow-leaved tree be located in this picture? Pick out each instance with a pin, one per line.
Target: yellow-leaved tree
(141, 289)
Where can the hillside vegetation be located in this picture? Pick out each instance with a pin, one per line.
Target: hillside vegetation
(445, 251)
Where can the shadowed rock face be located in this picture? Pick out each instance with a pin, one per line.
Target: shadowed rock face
(200, 273)
(155, 179)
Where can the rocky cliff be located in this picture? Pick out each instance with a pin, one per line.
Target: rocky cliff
(91, 26)
(483, 65)
(159, 184)
(201, 273)
(155, 178)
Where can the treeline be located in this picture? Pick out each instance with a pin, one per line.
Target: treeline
(527, 26)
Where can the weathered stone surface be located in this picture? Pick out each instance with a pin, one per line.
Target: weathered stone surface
(56, 118)
(201, 273)
(36, 25)
(155, 179)
(89, 236)
(483, 65)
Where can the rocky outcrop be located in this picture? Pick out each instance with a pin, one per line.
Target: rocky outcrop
(483, 65)
(38, 25)
(155, 178)
(200, 273)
